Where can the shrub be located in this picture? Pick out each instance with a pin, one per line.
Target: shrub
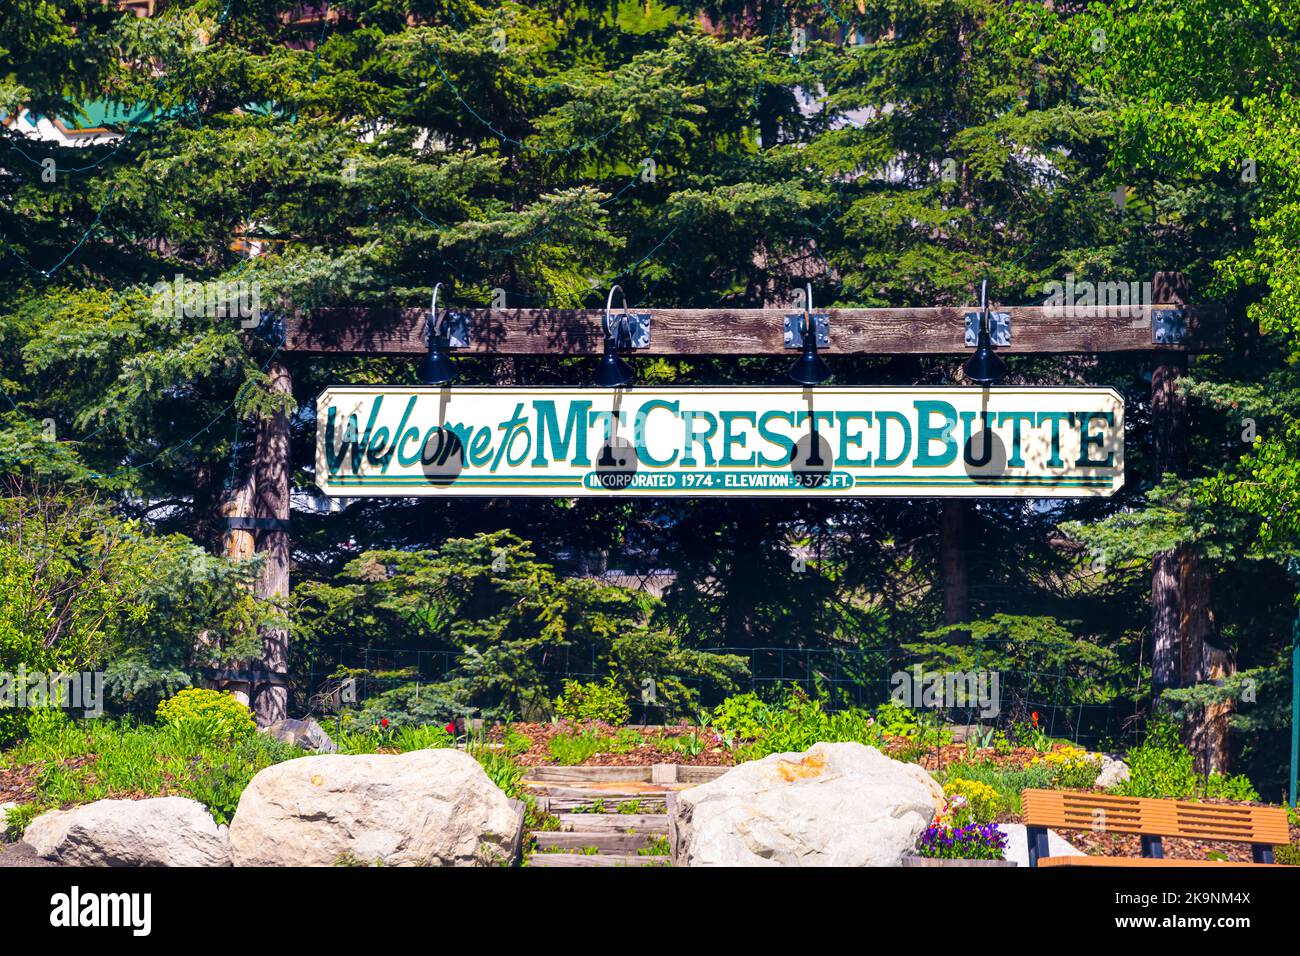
(743, 715)
(1160, 766)
(1237, 787)
(1071, 768)
(213, 715)
(587, 702)
(982, 803)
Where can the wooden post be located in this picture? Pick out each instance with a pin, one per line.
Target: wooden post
(1169, 456)
(952, 544)
(271, 513)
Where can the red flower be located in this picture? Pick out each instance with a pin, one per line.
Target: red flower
(383, 721)
(1034, 715)
(451, 729)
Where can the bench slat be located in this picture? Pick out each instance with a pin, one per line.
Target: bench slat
(1078, 810)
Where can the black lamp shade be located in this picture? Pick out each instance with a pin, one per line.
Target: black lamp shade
(809, 369)
(613, 372)
(984, 367)
(437, 368)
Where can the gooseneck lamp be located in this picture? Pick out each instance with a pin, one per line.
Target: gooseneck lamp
(808, 368)
(984, 367)
(613, 371)
(437, 367)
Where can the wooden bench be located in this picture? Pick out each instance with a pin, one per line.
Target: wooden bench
(1152, 820)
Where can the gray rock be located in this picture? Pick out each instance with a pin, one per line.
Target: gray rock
(1113, 771)
(424, 808)
(306, 734)
(1018, 844)
(840, 804)
(162, 831)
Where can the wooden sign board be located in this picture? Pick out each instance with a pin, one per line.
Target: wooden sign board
(694, 442)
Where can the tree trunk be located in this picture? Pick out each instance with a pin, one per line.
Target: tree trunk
(1169, 454)
(271, 509)
(1206, 732)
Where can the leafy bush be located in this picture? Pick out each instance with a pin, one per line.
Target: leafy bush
(743, 715)
(1071, 768)
(1237, 787)
(592, 702)
(213, 715)
(1160, 766)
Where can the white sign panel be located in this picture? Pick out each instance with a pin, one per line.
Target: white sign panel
(784, 441)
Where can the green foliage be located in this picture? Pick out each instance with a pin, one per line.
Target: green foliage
(603, 702)
(1162, 767)
(743, 715)
(212, 715)
(1007, 782)
(503, 612)
(570, 750)
(80, 762)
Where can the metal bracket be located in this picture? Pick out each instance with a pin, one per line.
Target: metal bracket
(1168, 326)
(456, 328)
(999, 329)
(794, 329)
(634, 333)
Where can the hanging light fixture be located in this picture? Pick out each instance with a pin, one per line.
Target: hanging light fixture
(808, 368)
(984, 367)
(437, 367)
(613, 371)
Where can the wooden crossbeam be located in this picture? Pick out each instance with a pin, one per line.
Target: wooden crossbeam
(1034, 329)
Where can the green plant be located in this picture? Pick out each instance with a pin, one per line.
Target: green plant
(690, 745)
(975, 802)
(1072, 768)
(570, 750)
(1288, 855)
(216, 715)
(593, 702)
(744, 715)
(630, 806)
(657, 847)
(515, 743)
(626, 740)
(1008, 782)
(1234, 787)
(1160, 766)
(426, 737)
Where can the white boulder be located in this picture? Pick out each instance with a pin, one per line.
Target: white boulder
(424, 808)
(842, 804)
(161, 831)
(1113, 771)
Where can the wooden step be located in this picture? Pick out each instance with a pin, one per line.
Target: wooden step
(564, 806)
(549, 774)
(607, 841)
(615, 822)
(595, 859)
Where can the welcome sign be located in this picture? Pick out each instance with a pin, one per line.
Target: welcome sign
(786, 441)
